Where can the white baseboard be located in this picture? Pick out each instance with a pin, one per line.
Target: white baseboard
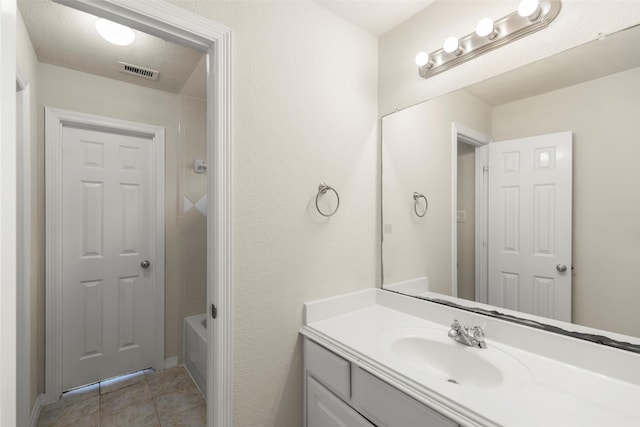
(35, 411)
(171, 362)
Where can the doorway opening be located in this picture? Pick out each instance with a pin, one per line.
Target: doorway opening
(465, 217)
(177, 25)
(469, 154)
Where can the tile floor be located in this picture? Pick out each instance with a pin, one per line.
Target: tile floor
(167, 398)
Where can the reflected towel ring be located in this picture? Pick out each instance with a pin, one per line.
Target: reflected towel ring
(322, 189)
(417, 196)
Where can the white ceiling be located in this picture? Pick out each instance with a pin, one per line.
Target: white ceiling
(375, 16)
(67, 37)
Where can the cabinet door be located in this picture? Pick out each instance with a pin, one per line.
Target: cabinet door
(331, 370)
(324, 409)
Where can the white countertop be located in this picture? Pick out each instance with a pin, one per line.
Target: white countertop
(547, 389)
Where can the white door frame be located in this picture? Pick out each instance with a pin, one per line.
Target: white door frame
(180, 26)
(480, 142)
(55, 121)
(8, 222)
(23, 296)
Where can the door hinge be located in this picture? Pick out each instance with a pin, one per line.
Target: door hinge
(485, 168)
(214, 311)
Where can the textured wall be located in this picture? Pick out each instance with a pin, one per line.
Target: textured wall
(304, 111)
(602, 114)
(400, 86)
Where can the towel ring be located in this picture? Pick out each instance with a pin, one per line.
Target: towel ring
(417, 196)
(322, 189)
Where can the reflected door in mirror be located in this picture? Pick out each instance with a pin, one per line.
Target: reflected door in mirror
(530, 225)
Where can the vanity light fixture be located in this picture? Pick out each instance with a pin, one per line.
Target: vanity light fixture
(486, 28)
(531, 16)
(423, 60)
(529, 9)
(115, 33)
(452, 45)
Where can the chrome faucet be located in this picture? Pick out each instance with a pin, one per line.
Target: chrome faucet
(473, 337)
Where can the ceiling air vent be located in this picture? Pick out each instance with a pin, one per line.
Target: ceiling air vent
(146, 73)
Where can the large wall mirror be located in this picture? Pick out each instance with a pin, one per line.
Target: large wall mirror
(523, 191)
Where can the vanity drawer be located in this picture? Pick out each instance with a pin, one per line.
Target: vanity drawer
(329, 369)
(386, 406)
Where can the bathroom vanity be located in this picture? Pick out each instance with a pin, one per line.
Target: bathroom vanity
(339, 391)
(377, 358)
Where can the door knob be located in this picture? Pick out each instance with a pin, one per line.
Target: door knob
(561, 268)
(146, 264)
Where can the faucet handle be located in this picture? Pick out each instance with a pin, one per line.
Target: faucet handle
(478, 337)
(455, 330)
(478, 333)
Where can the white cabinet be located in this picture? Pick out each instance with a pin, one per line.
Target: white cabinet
(324, 409)
(342, 394)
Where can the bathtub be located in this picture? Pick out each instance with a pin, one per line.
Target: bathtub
(195, 349)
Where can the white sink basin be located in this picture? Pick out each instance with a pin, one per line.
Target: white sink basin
(430, 352)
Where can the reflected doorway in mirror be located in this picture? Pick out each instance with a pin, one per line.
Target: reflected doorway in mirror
(469, 157)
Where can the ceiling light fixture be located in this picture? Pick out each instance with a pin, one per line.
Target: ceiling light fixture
(531, 16)
(115, 33)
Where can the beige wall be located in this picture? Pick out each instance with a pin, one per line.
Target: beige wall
(579, 21)
(304, 111)
(603, 116)
(416, 156)
(189, 264)
(466, 229)
(28, 64)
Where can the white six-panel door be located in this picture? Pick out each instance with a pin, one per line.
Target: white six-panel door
(107, 295)
(530, 225)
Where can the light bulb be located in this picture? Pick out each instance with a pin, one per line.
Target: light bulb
(486, 28)
(115, 33)
(422, 59)
(529, 8)
(451, 45)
